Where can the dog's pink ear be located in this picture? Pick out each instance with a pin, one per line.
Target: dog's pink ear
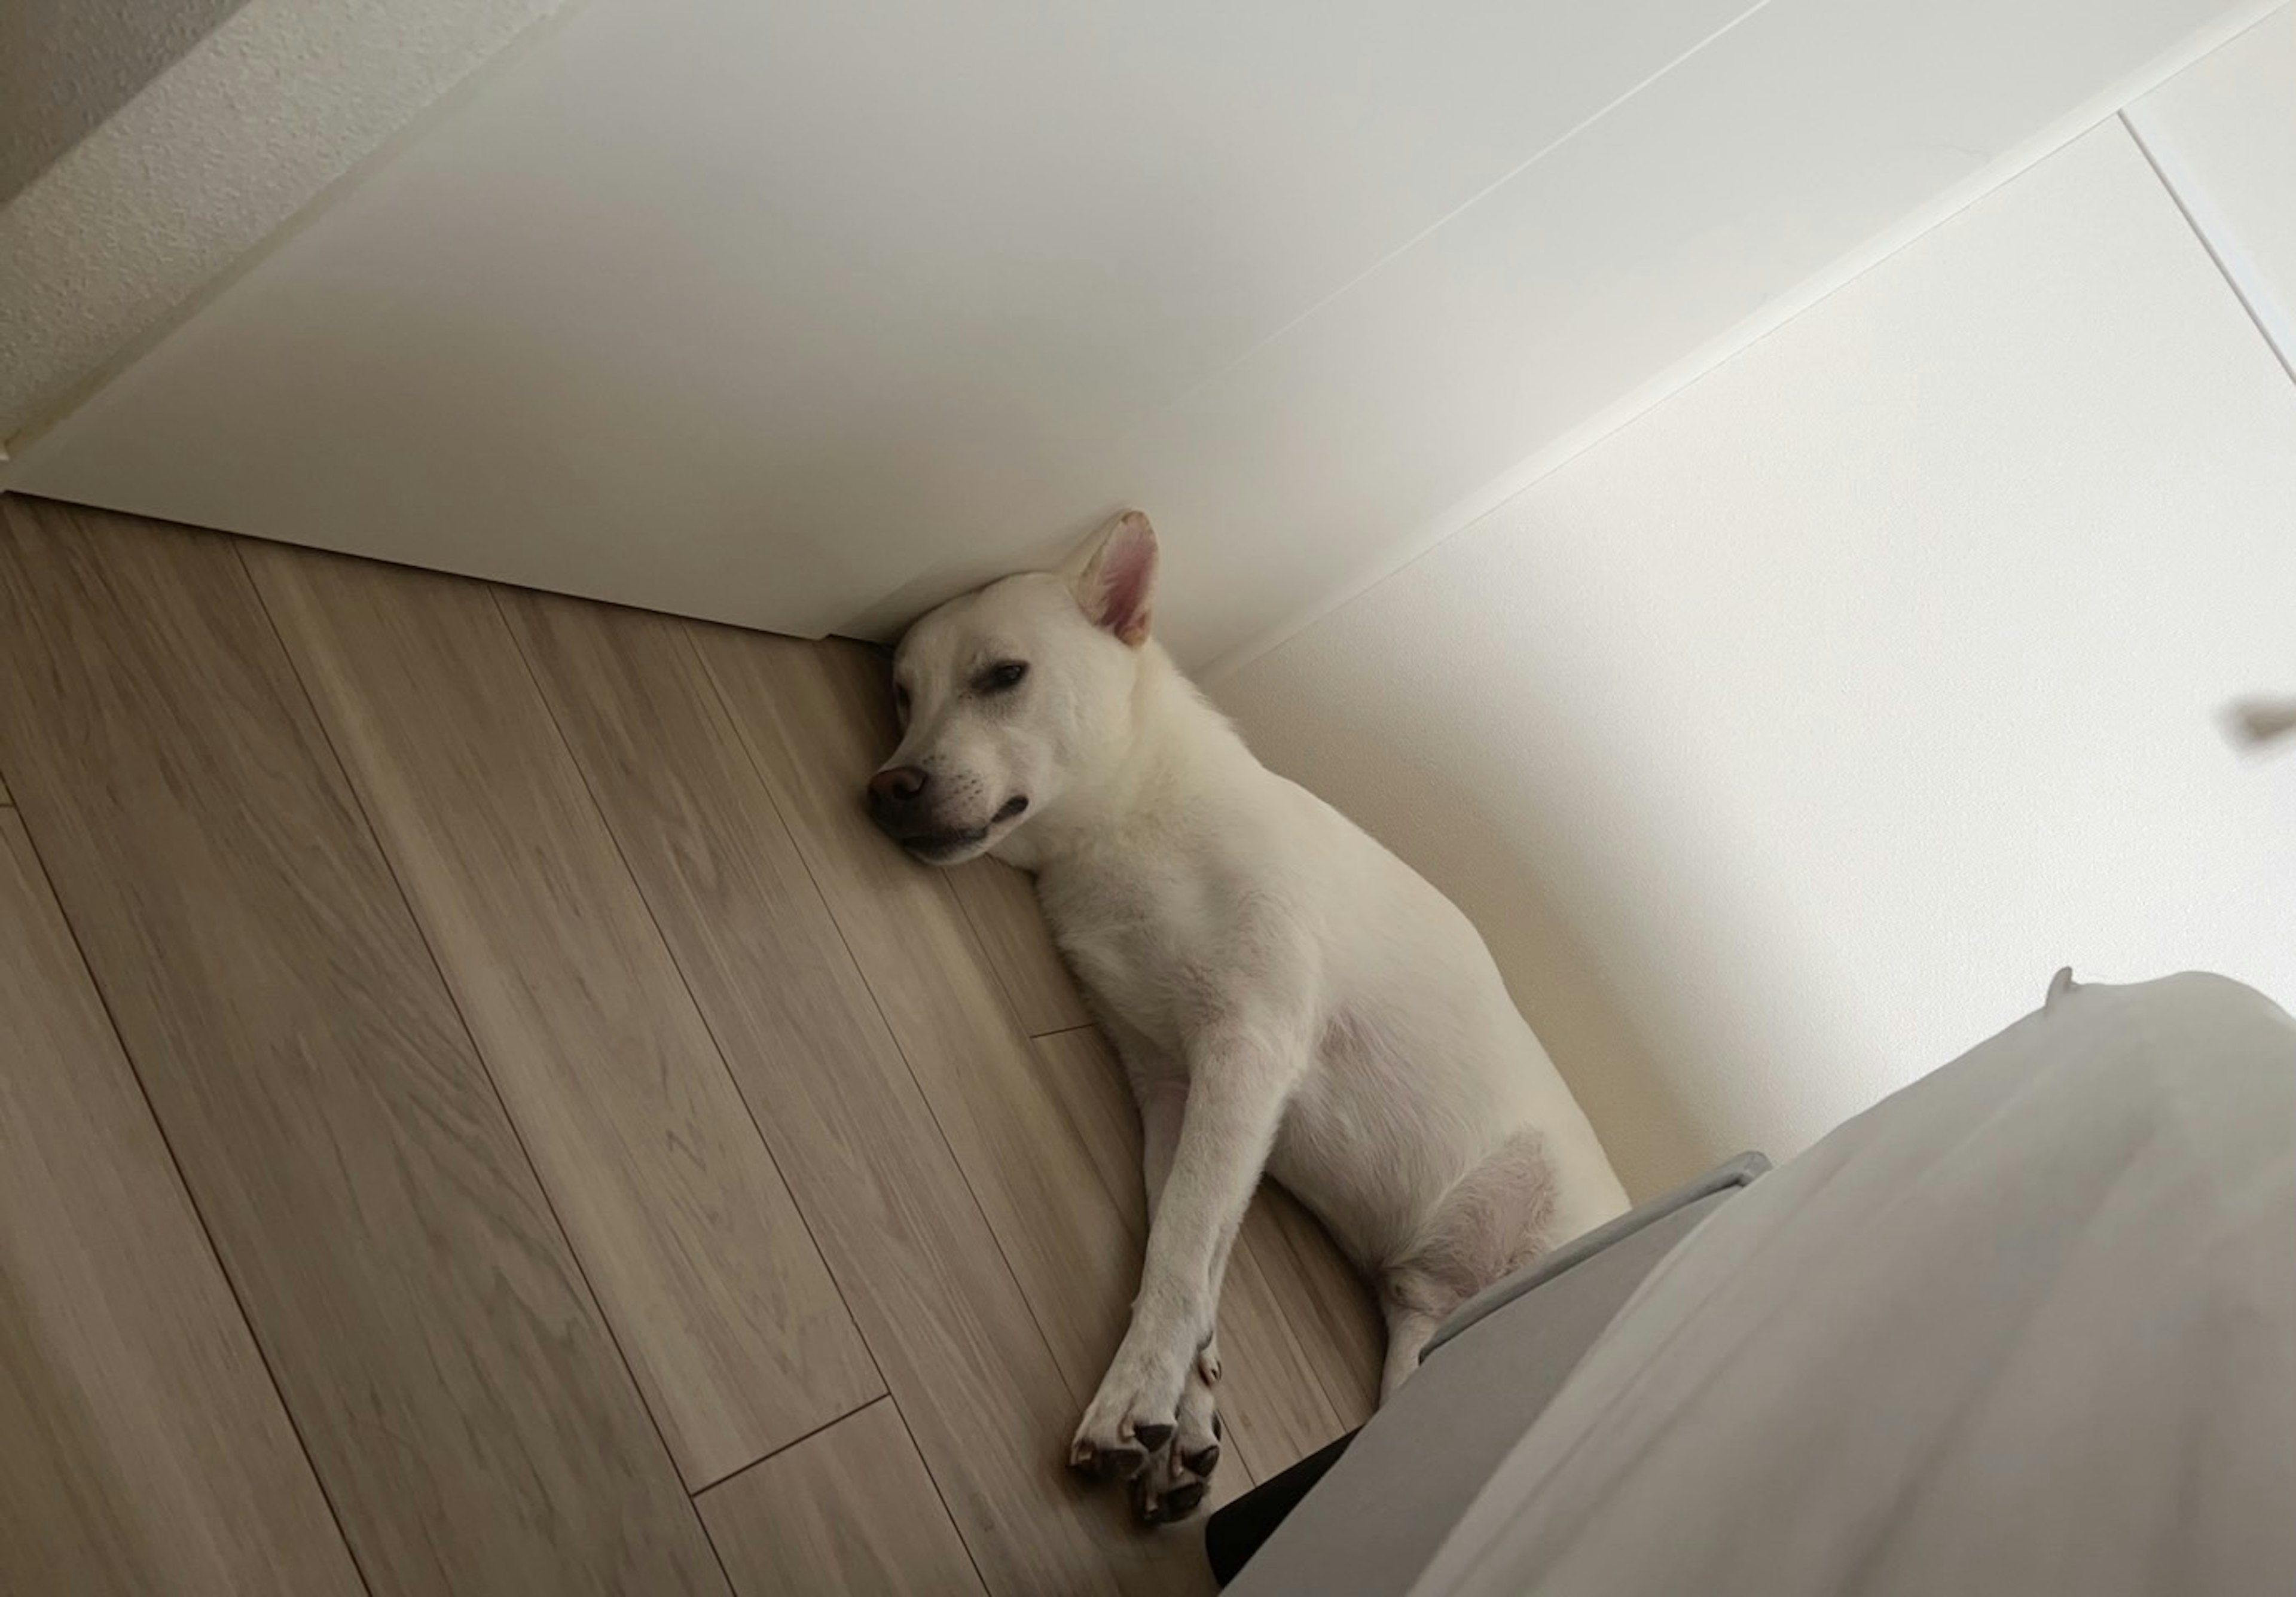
(1118, 585)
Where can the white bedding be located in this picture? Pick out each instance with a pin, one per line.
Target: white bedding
(2029, 1327)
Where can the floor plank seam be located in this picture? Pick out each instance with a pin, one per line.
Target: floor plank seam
(981, 959)
(192, 1201)
(955, 1524)
(686, 982)
(764, 778)
(1028, 1046)
(775, 1453)
(486, 1070)
(1007, 984)
(974, 1195)
(780, 802)
(1343, 1402)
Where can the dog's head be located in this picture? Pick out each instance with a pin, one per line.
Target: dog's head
(1009, 695)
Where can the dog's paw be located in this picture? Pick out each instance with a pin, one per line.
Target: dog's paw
(1170, 1489)
(1173, 1484)
(1118, 1449)
(1132, 1417)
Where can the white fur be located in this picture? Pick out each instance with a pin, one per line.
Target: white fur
(1285, 994)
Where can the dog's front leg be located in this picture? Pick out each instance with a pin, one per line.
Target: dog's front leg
(1240, 1079)
(1178, 1474)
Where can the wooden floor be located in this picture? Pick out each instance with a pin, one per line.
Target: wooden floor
(481, 1111)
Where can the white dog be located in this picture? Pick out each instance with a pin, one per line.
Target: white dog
(1285, 994)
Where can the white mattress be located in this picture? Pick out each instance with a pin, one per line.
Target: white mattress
(2028, 1327)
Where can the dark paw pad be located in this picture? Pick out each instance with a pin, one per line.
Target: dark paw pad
(1181, 1502)
(1204, 1461)
(1168, 1509)
(1151, 1437)
(1112, 1463)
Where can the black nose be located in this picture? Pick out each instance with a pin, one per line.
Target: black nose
(896, 784)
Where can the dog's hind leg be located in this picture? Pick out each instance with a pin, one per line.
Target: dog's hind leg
(1496, 1219)
(1410, 1329)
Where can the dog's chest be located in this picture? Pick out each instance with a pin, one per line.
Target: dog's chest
(1141, 947)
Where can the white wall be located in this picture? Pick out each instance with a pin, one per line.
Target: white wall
(2223, 133)
(803, 315)
(1786, 742)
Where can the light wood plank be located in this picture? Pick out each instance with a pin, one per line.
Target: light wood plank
(1081, 1071)
(868, 1165)
(818, 718)
(146, 1451)
(849, 1510)
(1275, 1383)
(465, 1411)
(1001, 903)
(712, 1285)
(1330, 1306)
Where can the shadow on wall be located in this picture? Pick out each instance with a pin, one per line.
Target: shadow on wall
(1489, 866)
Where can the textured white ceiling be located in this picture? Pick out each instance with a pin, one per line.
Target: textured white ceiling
(65, 65)
(243, 131)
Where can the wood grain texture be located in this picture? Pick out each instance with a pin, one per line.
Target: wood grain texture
(1001, 905)
(1081, 1071)
(870, 1168)
(1329, 1304)
(450, 1376)
(851, 1510)
(146, 1450)
(712, 1285)
(816, 717)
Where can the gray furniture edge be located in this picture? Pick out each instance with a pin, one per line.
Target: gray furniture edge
(1382, 1501)
(1733, 1173)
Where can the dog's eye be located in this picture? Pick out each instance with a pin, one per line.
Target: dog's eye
(1002, 677)
(901, 700)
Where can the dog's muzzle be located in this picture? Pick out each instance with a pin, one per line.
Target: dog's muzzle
(900, 802)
